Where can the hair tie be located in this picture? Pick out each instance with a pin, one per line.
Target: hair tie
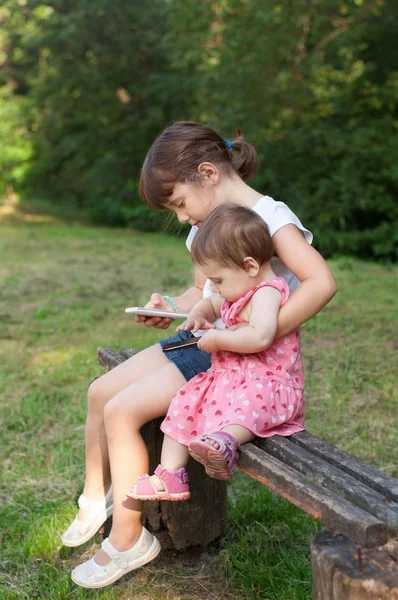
(228, 144)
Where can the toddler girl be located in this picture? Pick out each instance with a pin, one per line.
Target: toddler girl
(254, 386)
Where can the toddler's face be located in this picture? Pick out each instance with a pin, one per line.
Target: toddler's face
(230, 283)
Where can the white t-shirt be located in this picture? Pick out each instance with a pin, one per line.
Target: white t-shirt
(276, 215)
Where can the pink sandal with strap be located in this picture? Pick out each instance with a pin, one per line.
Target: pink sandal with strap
(218, 462)
(175, 483)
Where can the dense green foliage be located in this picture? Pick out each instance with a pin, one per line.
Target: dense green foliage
(85, 87)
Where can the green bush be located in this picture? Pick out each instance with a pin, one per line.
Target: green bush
(342, 182)
(85, 88)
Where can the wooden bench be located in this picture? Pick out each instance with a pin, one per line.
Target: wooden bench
(354, 558)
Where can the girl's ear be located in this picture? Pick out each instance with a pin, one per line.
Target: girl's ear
(251, 266)
(209, 172)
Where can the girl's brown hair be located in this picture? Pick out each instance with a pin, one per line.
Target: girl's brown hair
(229, 234)
(175, 155)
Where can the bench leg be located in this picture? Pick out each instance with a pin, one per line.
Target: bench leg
(198, 521)
(178, 525)
(341, 571)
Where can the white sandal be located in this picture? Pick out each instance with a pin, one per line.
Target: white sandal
(92, 575)
(80, 532)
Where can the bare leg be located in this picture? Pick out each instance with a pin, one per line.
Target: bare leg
(124, 416)
(240, 433)
(174, 456)
(100, 392)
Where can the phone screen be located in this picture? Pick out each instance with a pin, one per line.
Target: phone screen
(183, 344)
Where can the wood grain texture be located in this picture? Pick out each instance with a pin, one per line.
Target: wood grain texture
(343, 572)
(108, 359)
(332, 478)
(375, 479)
(334, 512)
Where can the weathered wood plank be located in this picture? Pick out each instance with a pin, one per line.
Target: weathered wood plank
(108, 358)
(341, 571)
(332, 478)
(392, 549)
(371, 476)
(127, 352)
(334, 512)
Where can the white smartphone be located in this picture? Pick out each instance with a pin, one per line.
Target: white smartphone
(183, 344)
(155, 312)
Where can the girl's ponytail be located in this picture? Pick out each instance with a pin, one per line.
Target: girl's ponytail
(243, 157)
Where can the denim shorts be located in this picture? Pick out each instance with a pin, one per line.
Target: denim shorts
(190, 361)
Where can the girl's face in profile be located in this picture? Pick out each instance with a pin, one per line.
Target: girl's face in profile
(191, 203)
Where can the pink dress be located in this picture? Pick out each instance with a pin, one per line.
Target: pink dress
(262, 392)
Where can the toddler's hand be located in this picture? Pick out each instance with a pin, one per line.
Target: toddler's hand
(194, 323)
(156, 301)
(208, 341)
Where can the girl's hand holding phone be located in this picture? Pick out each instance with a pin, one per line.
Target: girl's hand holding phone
(156, 301)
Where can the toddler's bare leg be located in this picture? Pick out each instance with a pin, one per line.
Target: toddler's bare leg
(174, 456)
(124, 416)
(100, 392)
(240, 433)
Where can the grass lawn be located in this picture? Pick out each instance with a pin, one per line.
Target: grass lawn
(64, 288)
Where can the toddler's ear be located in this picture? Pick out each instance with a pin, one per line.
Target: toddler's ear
(251, 266)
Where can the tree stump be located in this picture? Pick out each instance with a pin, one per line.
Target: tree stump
(178, 525)
(343, 571)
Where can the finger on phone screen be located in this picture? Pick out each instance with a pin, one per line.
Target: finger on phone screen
(182, 327)
(196, 326)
